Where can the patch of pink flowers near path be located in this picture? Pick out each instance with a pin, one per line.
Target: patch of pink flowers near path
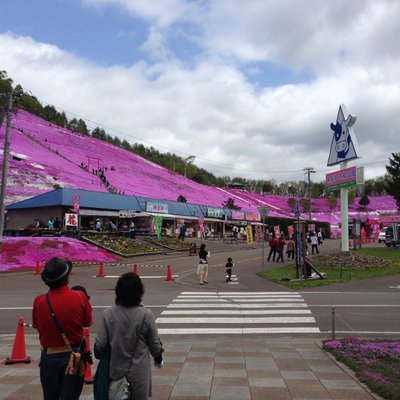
(22, 253)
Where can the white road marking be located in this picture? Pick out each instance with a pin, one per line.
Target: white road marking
(242, 320)
(238, 331)
(238, 305)
(236, 293)
(229, 300)
(141, 276)
(239, 296)
(233, 312)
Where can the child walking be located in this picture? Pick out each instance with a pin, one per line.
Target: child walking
(228, 269)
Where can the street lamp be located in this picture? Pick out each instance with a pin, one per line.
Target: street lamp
(309, 170)
(187, 161)
(264, 211)
(6, 154)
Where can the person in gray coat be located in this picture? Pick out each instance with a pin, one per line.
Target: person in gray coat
(131, 332)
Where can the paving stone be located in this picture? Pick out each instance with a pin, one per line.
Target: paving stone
(292, 365)
(267, 382)
(267, 363)
(269, 393)
(230, 381)
(234, 373)
(226, 392)
(191, 389)
(286, 354)
(233, 360)
(352, 394)
(340, 384)
(304, 375)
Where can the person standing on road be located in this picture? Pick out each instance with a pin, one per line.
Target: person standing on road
(273, 242)
(279, 249)
(202, 268)
(228, 269)
(314, 242)
(290, 248)
(73, 312)
(129, 330)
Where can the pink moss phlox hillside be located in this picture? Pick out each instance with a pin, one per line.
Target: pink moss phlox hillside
(46, 156)
(22, 253)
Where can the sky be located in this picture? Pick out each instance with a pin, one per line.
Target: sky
(249, 88)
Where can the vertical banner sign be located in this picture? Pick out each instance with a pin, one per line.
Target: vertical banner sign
(76, 202)
(290, 230)
(158, 224)
(201, 225)
(249, 234)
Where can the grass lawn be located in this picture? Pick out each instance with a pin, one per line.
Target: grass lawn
(362, 263)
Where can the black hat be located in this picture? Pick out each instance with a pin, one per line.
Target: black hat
(55, 270)
(81, 289)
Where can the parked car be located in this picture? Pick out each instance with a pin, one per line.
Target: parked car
(390, 240)
(382, 235)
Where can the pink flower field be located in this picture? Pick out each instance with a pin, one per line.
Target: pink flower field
(23, 253)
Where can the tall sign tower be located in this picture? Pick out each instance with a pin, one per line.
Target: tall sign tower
(344, 147)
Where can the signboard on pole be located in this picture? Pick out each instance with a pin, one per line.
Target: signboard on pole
(344, 145)
(264, 211)
(342, 178)
(76, 202)
(71, 220)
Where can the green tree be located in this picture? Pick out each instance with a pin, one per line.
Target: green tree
(291, 203)
(306, 204)
(267, 187)
(317, 189)
(332, 202)
(181, 199)
(230, 203)
(393, 180)
(364, 201)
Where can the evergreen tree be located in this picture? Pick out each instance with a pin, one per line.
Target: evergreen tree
(230, 204)
(364, 201)
(393, 180)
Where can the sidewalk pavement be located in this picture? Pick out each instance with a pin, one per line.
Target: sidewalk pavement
(226, 368)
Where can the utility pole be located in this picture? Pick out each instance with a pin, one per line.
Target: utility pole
(5, 169)
(309, 170)
(188, 160)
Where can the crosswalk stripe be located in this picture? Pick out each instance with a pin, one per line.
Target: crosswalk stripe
(243, 293)
(250, 312)
(222, 300)
(233, 312)
(238, 296)
(242, 320)
(240, 331)
(237, 305)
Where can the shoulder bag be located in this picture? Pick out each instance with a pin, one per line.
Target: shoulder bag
(77, 360)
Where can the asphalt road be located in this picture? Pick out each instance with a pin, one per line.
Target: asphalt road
(250, 305)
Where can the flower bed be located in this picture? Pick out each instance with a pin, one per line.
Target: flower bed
(22, 253)
(377, 363)
(121, 245)
(170, 243)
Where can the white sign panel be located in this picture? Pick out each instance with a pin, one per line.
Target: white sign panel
(344, 146)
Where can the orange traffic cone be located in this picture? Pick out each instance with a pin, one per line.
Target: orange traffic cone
(18, 354)
(169, 274)
(135, 269)
(37, 270)
(89, 378)
(101, 271)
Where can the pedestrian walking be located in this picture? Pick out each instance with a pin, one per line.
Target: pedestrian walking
(128, 330)
(59, 316)
(228, 269)
(279, 249)
(273, 242)
(290, 246)
(314, 242)
(202, 268)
